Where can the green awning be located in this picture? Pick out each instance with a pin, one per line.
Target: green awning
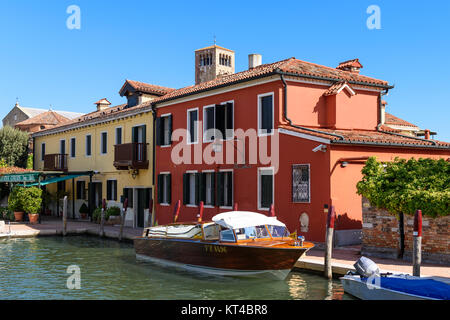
(54, 180)
(20, 177)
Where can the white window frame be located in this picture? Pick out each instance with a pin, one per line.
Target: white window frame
(117, 189)
(65, 145)
(208, 205)
(232, 136)
(75, 154)
(165, 173)
(86, 146)
(232, 188)
(195, 125)
(101, 143)
(259, 187)
(165, 115)
(189, 195)
(309, 181)
(262, 95)
(115, 133)
(205, 122)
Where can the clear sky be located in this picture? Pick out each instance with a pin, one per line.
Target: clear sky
(44, 63)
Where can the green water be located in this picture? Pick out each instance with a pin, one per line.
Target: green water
(37, 269)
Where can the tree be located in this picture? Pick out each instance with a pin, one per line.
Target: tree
(14, 147)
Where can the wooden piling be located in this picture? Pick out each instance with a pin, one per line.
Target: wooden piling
(65, 216)
(176, 211)
(235, 207)
(328, 272)
(122, 218)
(102, 220)
(200, 212)
(417, 243)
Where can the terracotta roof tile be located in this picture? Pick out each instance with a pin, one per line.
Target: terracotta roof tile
(350, 63)
(46, 118)
(336, 88)
(372, 136)
(393, 120)
(148, 88)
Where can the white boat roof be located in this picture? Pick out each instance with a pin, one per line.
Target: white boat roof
(244, 219)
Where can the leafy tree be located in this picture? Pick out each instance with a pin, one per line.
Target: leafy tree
(13, 147)
(403, 186)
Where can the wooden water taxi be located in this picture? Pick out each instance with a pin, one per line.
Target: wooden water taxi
(236, 243)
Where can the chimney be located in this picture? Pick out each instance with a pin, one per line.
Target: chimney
(427, 134)
(350, 65)
(383, 111)
(254, 60)
(102, 104)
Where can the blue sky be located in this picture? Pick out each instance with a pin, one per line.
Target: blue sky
(44, 63)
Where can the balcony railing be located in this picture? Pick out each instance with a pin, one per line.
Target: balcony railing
(55, 162)
(130, 156)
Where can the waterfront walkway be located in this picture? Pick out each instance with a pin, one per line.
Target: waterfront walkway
(343, 258)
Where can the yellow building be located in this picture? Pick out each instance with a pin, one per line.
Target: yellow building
(106, 154)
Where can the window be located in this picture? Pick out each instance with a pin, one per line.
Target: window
(207, 188)
(191, 182)
(218, 122)
(225, 188)
(42, 151)
(265, 114)
(72, 147)
(192, 125)
(62, 146)
(227, 235)
(265, 188)
(164, 130)
(119, 135)
(300, 183)
(81, 190)
(252, 233)
(104, 143)
(111, 190)
(88, 145)
(164, 188)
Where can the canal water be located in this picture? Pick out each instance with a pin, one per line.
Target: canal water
(37, 268)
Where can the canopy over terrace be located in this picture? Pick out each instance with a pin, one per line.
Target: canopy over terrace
(43, 178)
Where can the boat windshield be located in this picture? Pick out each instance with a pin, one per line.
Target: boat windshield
(278, 231)
(257, 232)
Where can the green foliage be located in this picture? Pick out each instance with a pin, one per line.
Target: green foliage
(14, 147)
(32, 200)
(6, 214)
(84, 208)
(96, 215)
(407, 185)
(112, 211)
(30, 161)
(15, 200)
(3, 163)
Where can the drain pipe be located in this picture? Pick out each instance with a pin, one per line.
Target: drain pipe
(394, 133)
(290, 121)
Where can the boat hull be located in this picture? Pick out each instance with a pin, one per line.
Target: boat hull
(219, 258)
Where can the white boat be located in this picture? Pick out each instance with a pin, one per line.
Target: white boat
(368, 284)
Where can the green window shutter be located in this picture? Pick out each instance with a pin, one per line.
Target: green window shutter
(160, 188)
(144, 133)
(229, 119)
(109, 190)
(220, 119)
(134, 135)
(185, 188)
(213, 188)
(158, 131)
(230, 189)
(197, 188)
(169, 188)
(219, 189)
(169, 118)
(266, 190)
(202, 186)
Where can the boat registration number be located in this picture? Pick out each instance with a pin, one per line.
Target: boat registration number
(215, 249)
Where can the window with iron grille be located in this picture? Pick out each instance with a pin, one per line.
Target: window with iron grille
(300, 183)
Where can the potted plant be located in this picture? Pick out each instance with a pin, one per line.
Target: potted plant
(47, 198)
(112, 215)
(15, 203)
(32, 201)
(96, 215)
(84, 210)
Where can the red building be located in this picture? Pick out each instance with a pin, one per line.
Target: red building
(318, 125)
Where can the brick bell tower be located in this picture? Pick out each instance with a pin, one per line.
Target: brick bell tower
(212, 62)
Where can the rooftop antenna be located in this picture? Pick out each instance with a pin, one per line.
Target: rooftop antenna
(214, 39)
(17, 101)
(50, 109)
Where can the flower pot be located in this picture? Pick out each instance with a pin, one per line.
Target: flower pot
(18, 216)
(83, 215)
(33, 217)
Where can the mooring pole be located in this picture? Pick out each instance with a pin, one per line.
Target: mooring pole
(122, 218)
(235, 207)
(329, 241)
(102, 219)
(417, 244)
(272, 210)
(65, 216)
(176, 211)
(200, 212)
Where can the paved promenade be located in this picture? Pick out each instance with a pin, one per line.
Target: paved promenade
(343, 258)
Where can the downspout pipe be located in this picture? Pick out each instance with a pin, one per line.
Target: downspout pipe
(394, 133)
(290, 121)
(153, 144)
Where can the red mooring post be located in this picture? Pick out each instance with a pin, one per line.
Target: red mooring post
(331, 215)
(272, 211)
(200, 212)
(417, 243)
(235, 207)
(176, 211)
(122, 217)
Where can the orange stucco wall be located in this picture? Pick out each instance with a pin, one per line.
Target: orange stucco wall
(343, 180)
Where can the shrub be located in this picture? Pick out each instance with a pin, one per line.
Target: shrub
(96, 215)
(403, 186)
(32, 200)
(84, 208)
(15, 200)
(112, 211)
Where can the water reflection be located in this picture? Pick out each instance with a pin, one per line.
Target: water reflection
(36, 269)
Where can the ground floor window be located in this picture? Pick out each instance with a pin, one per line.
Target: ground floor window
(81, 190)
(191, 183)
(164, 188)
(128, 194)
(207, 185)
(111, 190)
(225, 188)
(265, 188)
(300, 183)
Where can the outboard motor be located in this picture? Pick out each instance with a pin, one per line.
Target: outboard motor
(366, 267)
